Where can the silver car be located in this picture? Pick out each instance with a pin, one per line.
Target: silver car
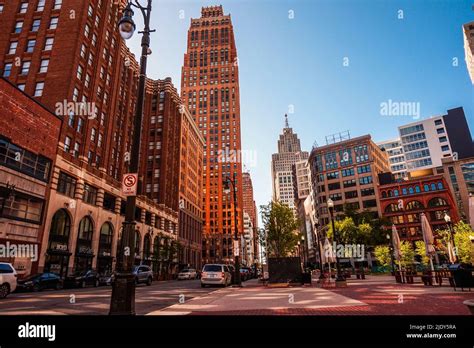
(215, 274)
(143, 274)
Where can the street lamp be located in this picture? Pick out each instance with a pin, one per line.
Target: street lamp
(318, 239)
(390, 246)
(123, 291)
(447, 218)
(304, 250)
(227, 182)
(340, 280)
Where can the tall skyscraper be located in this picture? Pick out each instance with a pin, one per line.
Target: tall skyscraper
(210, 90)
(468, 31)
(289, 152)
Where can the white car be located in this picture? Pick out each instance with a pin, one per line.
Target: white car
(7, 279)
(216, 274)
(187, 274)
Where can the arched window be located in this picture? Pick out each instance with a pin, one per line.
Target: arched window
(390, 193)
(106, 233)
(395, 193)
(156, 247)
(426, 187)
(137, 243)
(437, 202)
(392, 208)
(384, 194)
(147, 246)
(433, 187)
(60, 224)
(417, 189)
(411, 191)
(404, 191)
(440, 186)
(86, 229)
(414, 205)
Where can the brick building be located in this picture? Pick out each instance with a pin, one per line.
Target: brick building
(28, 137)
(346, 171)
(403, 201)
(172, 164)
(251, 209)
(210, 90)
(70, 57)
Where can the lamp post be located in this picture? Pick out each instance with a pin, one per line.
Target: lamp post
(447, 218)
(318, 239)
(304, 250)
(340, 280)
(227, 182)
(123, 291)
(390, 246)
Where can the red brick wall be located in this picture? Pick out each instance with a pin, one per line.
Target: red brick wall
(27, 123)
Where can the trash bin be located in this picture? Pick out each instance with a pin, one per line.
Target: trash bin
(306, 278)
(462, 275)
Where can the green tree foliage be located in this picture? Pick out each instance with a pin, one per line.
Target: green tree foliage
(463, 242)
(382, 255)
(407, 253)
(420, 250)
(281, 229)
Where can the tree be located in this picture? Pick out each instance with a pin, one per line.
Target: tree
(420, 250)
(382, 255)
(462, 240)
(281, 229)
(407, 253)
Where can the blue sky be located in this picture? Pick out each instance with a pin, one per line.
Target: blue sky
(299, 61)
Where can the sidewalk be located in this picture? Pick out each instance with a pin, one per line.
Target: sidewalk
(376, 295)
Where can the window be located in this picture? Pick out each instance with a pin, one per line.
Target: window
(349, 183)
(443, 139)
(351, 194)
(48, 45)
(53, 24)
(372, 203)
(347, 172)
(7, 70)
(44, 66)
(445, 148)
(23, 7)
(21, 207)
(57, 4)
(363, 169)
(437, 202)
(40, 6)
(414, 205)
(36, 25)
(39, 89)
(93, 134)
(77, 147)
(334, 186)
(367, 192)
(13, 47)
(365, 180)
(87, 30)
(21, 87)
(109, 202)
(1, 8)
(67, 144)
(18, 27)
(79, 72)
(440, 131)
(90, 194)
(30, 45)
(392, 208)
(99, 140)
(25, 68)
(24, 161)
(332, 175)
(80, 123)
(438, 122)
(66, 184)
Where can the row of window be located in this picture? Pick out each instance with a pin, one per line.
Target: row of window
(416, 205)
(39, 7)
(413, 190)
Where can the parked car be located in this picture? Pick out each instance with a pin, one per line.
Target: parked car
(39, 282)
(8, 280)
(105, 279)
(244, 274)
(232, 272)
(215, 274)
(187, 274)
(143, 274)
(82, 279)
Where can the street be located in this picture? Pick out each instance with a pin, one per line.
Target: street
(97, 300)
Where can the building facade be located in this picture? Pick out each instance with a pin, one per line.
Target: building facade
(70, 57)
(289, 153)
(28, 137)
(346, 172)
(403, 202)
(172, 162)
(210, 90)
(396, 157)
(250, 208)
(460, 176)
(248, 247)
(427, 141)
(468, 34)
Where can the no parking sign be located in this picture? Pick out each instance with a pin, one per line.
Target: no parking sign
(129, 184)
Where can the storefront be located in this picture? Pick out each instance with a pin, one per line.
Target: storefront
(84, 253)
(104, 256)
(57, 254)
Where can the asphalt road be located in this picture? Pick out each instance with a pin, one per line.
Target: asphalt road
(97, 300)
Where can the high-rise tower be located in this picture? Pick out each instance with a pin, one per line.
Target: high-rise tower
(210, 90)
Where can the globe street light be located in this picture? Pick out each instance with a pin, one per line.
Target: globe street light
(340, 280)
(447, 218)
(227, 182)
(123, 290)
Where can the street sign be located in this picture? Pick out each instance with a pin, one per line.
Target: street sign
(129, 184)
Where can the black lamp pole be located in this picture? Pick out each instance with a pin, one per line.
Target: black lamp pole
(318, 239)
(123, 291)
(227, 182)
(339, 278)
